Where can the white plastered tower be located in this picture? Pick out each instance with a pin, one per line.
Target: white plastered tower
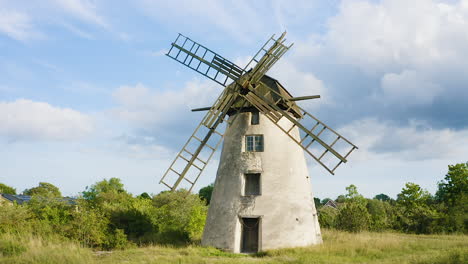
(282, 210)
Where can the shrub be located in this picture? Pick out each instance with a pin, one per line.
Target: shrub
(179, 216)
(380, 214)
(327, 216)
(353, 217)
(15, 219)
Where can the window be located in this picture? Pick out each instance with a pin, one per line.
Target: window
(254, 143)
(252, 184)
(255, 120)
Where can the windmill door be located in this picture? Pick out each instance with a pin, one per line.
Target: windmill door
(250, 234)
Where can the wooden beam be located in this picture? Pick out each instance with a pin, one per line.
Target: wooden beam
(300, 98)
(201, 109)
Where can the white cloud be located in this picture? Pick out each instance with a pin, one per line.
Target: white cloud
(398, 32)
(384, 54)
(17, 25)
(78, 31)
(157, 53)
(300, 83)
(409, 87)
(146, 107)
(84, 10)
(28, 120)
(416, 141)
(218, 14)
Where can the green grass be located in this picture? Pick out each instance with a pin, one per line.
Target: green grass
(338, 247)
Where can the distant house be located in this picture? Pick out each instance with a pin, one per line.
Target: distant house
(12, 198)
(332, 204)
(21, 199)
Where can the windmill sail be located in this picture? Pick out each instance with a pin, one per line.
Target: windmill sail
(200, 147)
(203, 60)
(312, 140)
(266, 57)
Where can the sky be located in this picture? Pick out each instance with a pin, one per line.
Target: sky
(86, 92)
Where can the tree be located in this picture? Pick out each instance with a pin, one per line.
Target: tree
(382, 197)
(414, 212)
(381, 214)
(324, 201)
(455, 184)
(144, 195)
(317, 203)
(353, 215)
(340, 199)
(206, 192)
(7, 189)
(111, 190)
(453, 197)
(44, 189)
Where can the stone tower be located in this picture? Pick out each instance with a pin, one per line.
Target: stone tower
(262, 194)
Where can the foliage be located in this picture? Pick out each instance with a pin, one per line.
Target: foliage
(382, 197)
(108, 217)
(455, 184)
(340, 199)
(324, 201)
(327, 216)
(104, 190)
(144, 195)
(317, 203)
(353, 215)
(16, 218)
(453, 197)
(413, 211)
(380, 214)
(89, 227)
(7, 189)
(44, 189)
(179, 215)
(205, 193)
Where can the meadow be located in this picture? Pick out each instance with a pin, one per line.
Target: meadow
(338, 247)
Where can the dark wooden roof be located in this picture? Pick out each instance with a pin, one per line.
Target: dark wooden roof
(277, 87)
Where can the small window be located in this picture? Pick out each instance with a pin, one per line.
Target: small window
(252, 184)
(254, 143)
(255, 118)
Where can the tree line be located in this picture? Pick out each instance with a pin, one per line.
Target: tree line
(414, 210)
(106, 216)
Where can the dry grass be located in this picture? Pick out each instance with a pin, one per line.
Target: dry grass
(339, 247)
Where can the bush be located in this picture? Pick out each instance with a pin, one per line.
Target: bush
(206, 192)
(179, 216)
(327, 217)
(380, 214)
(16, 219)
(353, 217)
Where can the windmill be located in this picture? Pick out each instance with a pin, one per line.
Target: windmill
(262, 197)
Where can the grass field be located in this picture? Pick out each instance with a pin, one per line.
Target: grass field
(338, 247)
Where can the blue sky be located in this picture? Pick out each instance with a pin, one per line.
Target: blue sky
(86, 92)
